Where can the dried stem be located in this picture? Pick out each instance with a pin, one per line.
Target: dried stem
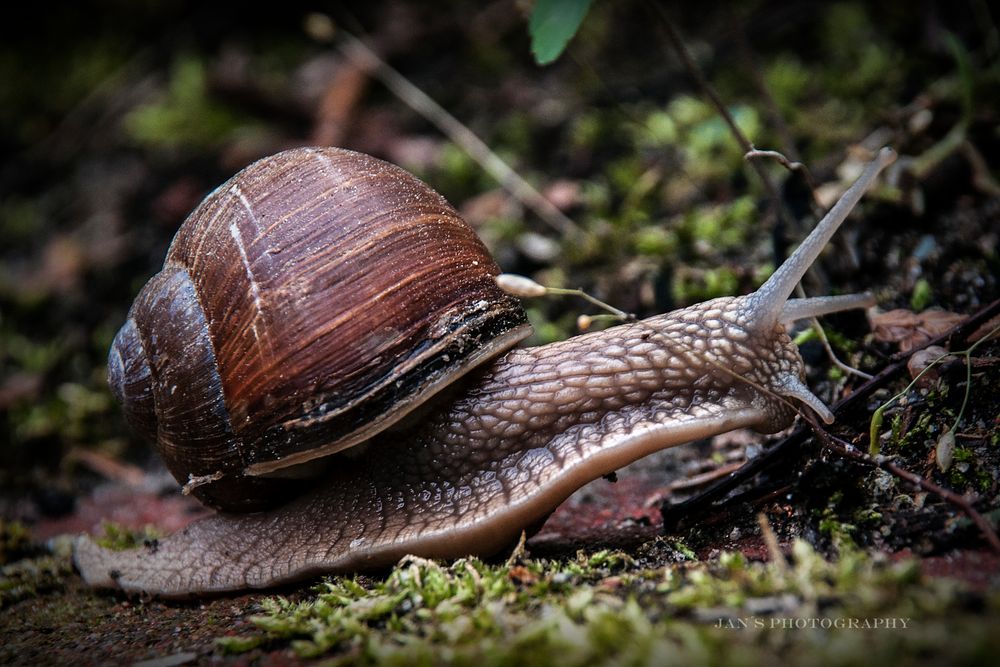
(831, 355)
(689, 64)
(451, 127)
(770, 104)
(771, 542)
(790, 165)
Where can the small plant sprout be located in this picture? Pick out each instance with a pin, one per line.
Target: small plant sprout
(945, 445)
(524, 287)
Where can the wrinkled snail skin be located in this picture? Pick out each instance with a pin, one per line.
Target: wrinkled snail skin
(519, 435)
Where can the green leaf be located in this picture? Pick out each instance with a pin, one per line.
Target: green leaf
(552, 24)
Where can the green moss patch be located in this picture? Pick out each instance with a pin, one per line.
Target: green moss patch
(606, 609)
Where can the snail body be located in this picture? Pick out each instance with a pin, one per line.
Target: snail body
(516, 433)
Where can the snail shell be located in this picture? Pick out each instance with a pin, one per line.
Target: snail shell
(311, 301)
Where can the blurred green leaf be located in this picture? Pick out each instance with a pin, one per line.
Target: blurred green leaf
(553, 23)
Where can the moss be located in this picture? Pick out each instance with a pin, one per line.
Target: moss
(604, 608)
(788, 80)
(119, 538)
(659, 130)
(608, 559)
(515, 133)
(30, 576)
(235, 645)
(20, 220)
(655, 241)
(74, 412)
(720, 227)
(547, 330)
(838, 531)
(966, 472)
(456, 174)
(15, 541)
(684, 550)
(907, 434)
(867, 515)
(706, 140)
(692, 286)
(873, 64)
(833, 526)
(586, 130)
(31, 355)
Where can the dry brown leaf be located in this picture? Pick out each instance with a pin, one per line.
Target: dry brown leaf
(911, 329)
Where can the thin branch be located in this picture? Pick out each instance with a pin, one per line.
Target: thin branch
(790, 165)
(821, 333)
(771, 542)
(847, 450)
(770, 104)
(451, 127)
(689, 64)
(981, 176)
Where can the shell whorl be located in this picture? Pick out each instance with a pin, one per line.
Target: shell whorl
(162, 367)
(324, 294)
(131, 381)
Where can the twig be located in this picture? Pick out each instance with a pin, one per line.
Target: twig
(790, 165)
(108, 467)
(518, 552)
(831, 355)
(955, 336)
(770, 104)
(451, 127)
(689, 64)
(981, 177)
(775, 155)
(847, 450)
(692, 482)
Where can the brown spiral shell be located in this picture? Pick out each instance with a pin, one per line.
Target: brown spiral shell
(311, 301)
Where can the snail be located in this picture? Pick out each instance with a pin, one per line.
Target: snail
(326, 316)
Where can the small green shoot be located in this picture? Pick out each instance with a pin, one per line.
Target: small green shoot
(922, 295)
(877, 416)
